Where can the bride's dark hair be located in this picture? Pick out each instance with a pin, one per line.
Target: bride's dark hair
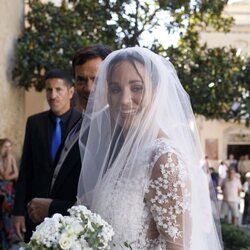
(132, 57)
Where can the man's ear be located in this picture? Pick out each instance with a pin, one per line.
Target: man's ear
(71, 91)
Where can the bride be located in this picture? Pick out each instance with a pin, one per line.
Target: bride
(140, 164)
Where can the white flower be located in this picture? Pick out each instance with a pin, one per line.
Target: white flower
(173, 232)
(73, 232)
(66, 241)
(77, 211)
(56, 217)
(71, 225)
(47, 232)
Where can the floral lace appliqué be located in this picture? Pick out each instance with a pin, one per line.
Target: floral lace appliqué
(167, 195)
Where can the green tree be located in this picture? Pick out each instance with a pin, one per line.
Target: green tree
(217, 79)
(214, 78)
(52, 34)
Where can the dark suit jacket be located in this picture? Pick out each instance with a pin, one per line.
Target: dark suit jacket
(64, 186)
(36, 166)
(64, 189)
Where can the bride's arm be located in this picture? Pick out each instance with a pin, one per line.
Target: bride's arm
(168, 199)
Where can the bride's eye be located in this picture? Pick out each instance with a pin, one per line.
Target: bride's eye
(114, 89)
(137, 88)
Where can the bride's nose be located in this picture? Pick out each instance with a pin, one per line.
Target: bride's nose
(126, 97)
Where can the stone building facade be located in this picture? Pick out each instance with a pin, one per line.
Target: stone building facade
(11, 98)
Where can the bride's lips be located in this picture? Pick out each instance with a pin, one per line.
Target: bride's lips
(127, 113)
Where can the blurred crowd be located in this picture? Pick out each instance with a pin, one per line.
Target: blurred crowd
(232, 185)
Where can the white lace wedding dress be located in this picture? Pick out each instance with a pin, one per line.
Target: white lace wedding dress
(150, 188)
(147, 210)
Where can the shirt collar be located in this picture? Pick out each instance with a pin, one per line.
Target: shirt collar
(64, 117)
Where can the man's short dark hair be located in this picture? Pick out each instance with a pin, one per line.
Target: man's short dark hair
(61, 74)
(93, 51)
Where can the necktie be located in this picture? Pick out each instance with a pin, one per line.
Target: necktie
(56, 138)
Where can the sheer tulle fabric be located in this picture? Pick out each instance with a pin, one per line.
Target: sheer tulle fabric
(140, 163)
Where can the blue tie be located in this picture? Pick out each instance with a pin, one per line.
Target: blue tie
(56, 138)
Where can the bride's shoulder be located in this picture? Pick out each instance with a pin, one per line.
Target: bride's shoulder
(162, 148)
(162, 144)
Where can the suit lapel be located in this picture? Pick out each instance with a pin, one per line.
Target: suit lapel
(74, 118)
(73, 153)
(66, 167)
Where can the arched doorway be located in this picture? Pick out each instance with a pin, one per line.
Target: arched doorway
(236, 142)
(238, 150)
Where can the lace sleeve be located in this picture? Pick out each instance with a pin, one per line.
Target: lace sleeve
(168, 199)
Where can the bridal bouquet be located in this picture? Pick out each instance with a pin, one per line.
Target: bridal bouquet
(81, 230)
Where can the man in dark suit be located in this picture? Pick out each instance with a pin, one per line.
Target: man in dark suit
(63, 189)
(42, 139)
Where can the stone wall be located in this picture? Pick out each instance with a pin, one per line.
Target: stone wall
(12, 122)
(239, 35)
(219, 134)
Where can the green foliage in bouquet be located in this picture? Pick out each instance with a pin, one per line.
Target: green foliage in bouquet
(81, 230)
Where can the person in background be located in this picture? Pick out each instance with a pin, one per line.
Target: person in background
(246, 189)
(247, 162)
(232, 162)
(8, 174)
(67, 165)
(206, 165)
(222, 170)
(214, 179)
(241, 168)
(43, 136)
(231, 188)
(246, 165)
(85, 64)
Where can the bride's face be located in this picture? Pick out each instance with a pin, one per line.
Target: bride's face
(126, 93)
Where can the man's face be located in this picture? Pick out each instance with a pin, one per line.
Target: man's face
(58, 95)
(231, 173)
(85, 75)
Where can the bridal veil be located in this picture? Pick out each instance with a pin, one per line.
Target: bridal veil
(139, 134)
